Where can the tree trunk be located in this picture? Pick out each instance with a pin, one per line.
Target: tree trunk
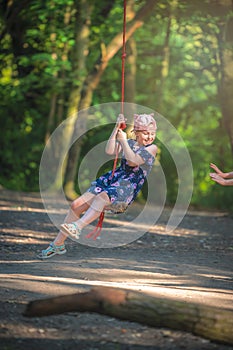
(166, 54)
(61, 76)
(16, 25)
(226, 84)
(91, 83)
(131, 59)
(79, 54)
(222, 11)
(130, 72)
(209, 322)
(51, 117)
(93, 78)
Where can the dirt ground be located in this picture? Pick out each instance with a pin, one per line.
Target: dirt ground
(193, 263)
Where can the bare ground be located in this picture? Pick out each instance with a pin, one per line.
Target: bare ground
(193, 263)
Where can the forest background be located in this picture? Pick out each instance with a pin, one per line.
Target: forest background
(59, 57)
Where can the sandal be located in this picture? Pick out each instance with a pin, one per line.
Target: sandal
(52, 250)
(72, 230)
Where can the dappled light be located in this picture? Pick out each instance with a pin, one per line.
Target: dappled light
(194, 286)
(189, 264)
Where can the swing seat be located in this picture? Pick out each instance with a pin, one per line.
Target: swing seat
(116, 208)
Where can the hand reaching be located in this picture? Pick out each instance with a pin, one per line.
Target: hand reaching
(217, 178)
(224, 179)
(217, 170)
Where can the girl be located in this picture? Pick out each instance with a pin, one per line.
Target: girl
(115, 192)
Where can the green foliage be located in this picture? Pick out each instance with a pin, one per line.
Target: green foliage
(37, 61)
(189, 97)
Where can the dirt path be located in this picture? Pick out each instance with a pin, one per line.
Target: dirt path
(193, 263)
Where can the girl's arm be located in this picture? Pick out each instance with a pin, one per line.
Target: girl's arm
(133, 159)
(112, 144)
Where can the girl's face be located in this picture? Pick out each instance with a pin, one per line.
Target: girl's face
(145, 137)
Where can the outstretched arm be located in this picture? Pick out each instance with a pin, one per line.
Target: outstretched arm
(224, 179)
(224, 182)
(223, 175)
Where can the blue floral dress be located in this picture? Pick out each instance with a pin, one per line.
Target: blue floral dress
(127, 181)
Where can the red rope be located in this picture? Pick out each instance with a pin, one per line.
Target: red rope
(94, 234)
(123, 57)
(123, 126)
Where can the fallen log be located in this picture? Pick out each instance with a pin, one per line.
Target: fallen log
(209, 322)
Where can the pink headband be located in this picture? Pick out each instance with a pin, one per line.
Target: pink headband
(144, 122)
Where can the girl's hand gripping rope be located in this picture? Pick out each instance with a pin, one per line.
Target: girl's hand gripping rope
(121, 121)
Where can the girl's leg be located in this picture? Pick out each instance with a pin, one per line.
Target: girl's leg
(78, 206)
(96, 207)
(92, 204)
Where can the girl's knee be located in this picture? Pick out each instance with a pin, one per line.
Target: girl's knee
(84, 199)
(100, 201)
(74, 204)
(102, 197)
